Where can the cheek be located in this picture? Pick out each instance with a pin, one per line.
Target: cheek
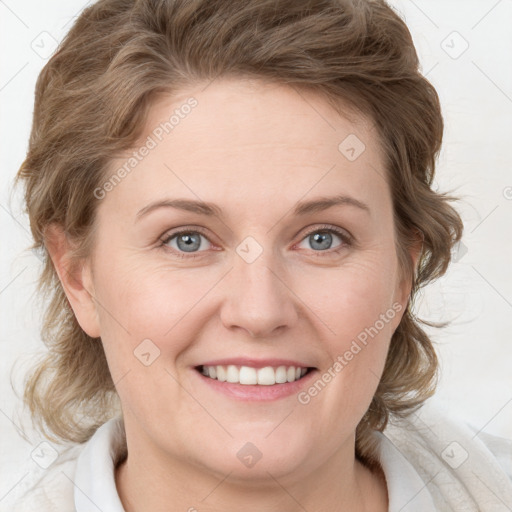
(357, 310)
(354, 296)
(151, 310)
(356, 305)
(145, 326)
(143, 303)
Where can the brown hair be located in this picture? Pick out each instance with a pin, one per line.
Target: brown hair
(91, 103)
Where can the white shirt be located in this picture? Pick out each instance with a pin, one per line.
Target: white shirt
(432, 462)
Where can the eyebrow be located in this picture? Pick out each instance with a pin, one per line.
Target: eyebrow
(211, 209)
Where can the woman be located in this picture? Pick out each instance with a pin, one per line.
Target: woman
(236, 203)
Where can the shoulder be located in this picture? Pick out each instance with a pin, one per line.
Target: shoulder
(46, 489)
(79, 473)
(500, 447)
(458, 463)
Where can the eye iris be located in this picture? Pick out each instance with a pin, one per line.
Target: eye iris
(192, 242)
(321, 237)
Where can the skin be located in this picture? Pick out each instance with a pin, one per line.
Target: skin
(255, 150)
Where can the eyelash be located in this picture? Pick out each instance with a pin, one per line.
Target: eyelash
(347, 240)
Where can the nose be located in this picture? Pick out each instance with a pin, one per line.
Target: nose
(258, 298)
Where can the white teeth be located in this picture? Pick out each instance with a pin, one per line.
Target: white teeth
(281, 374)
(221, 373)
(232, 375)
(248, 375)
(267, 376)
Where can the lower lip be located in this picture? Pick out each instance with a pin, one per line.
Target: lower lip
(258, 392)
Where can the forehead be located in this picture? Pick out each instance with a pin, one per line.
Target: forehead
(251, 141)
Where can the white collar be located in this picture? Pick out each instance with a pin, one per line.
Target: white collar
(95, 486)
(407, 492)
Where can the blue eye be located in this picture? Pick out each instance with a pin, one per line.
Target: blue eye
(188, 243)
(321, 238)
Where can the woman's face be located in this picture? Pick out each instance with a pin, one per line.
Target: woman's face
(268, 279)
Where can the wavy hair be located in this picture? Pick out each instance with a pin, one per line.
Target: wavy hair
(91, 102)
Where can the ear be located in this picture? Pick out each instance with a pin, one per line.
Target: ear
(76, 279)
(404, 287)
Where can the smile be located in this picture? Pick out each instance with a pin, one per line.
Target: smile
(247, 375)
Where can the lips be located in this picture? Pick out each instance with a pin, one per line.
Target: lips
(268, 391)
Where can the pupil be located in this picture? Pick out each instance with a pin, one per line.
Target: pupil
(190, 243)
(321, 238)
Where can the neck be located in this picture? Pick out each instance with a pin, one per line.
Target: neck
(148, 482)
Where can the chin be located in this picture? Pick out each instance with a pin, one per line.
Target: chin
(252, 458)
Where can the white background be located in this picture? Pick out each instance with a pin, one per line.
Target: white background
(475, 87)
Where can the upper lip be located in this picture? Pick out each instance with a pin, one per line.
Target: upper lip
(255, 363)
